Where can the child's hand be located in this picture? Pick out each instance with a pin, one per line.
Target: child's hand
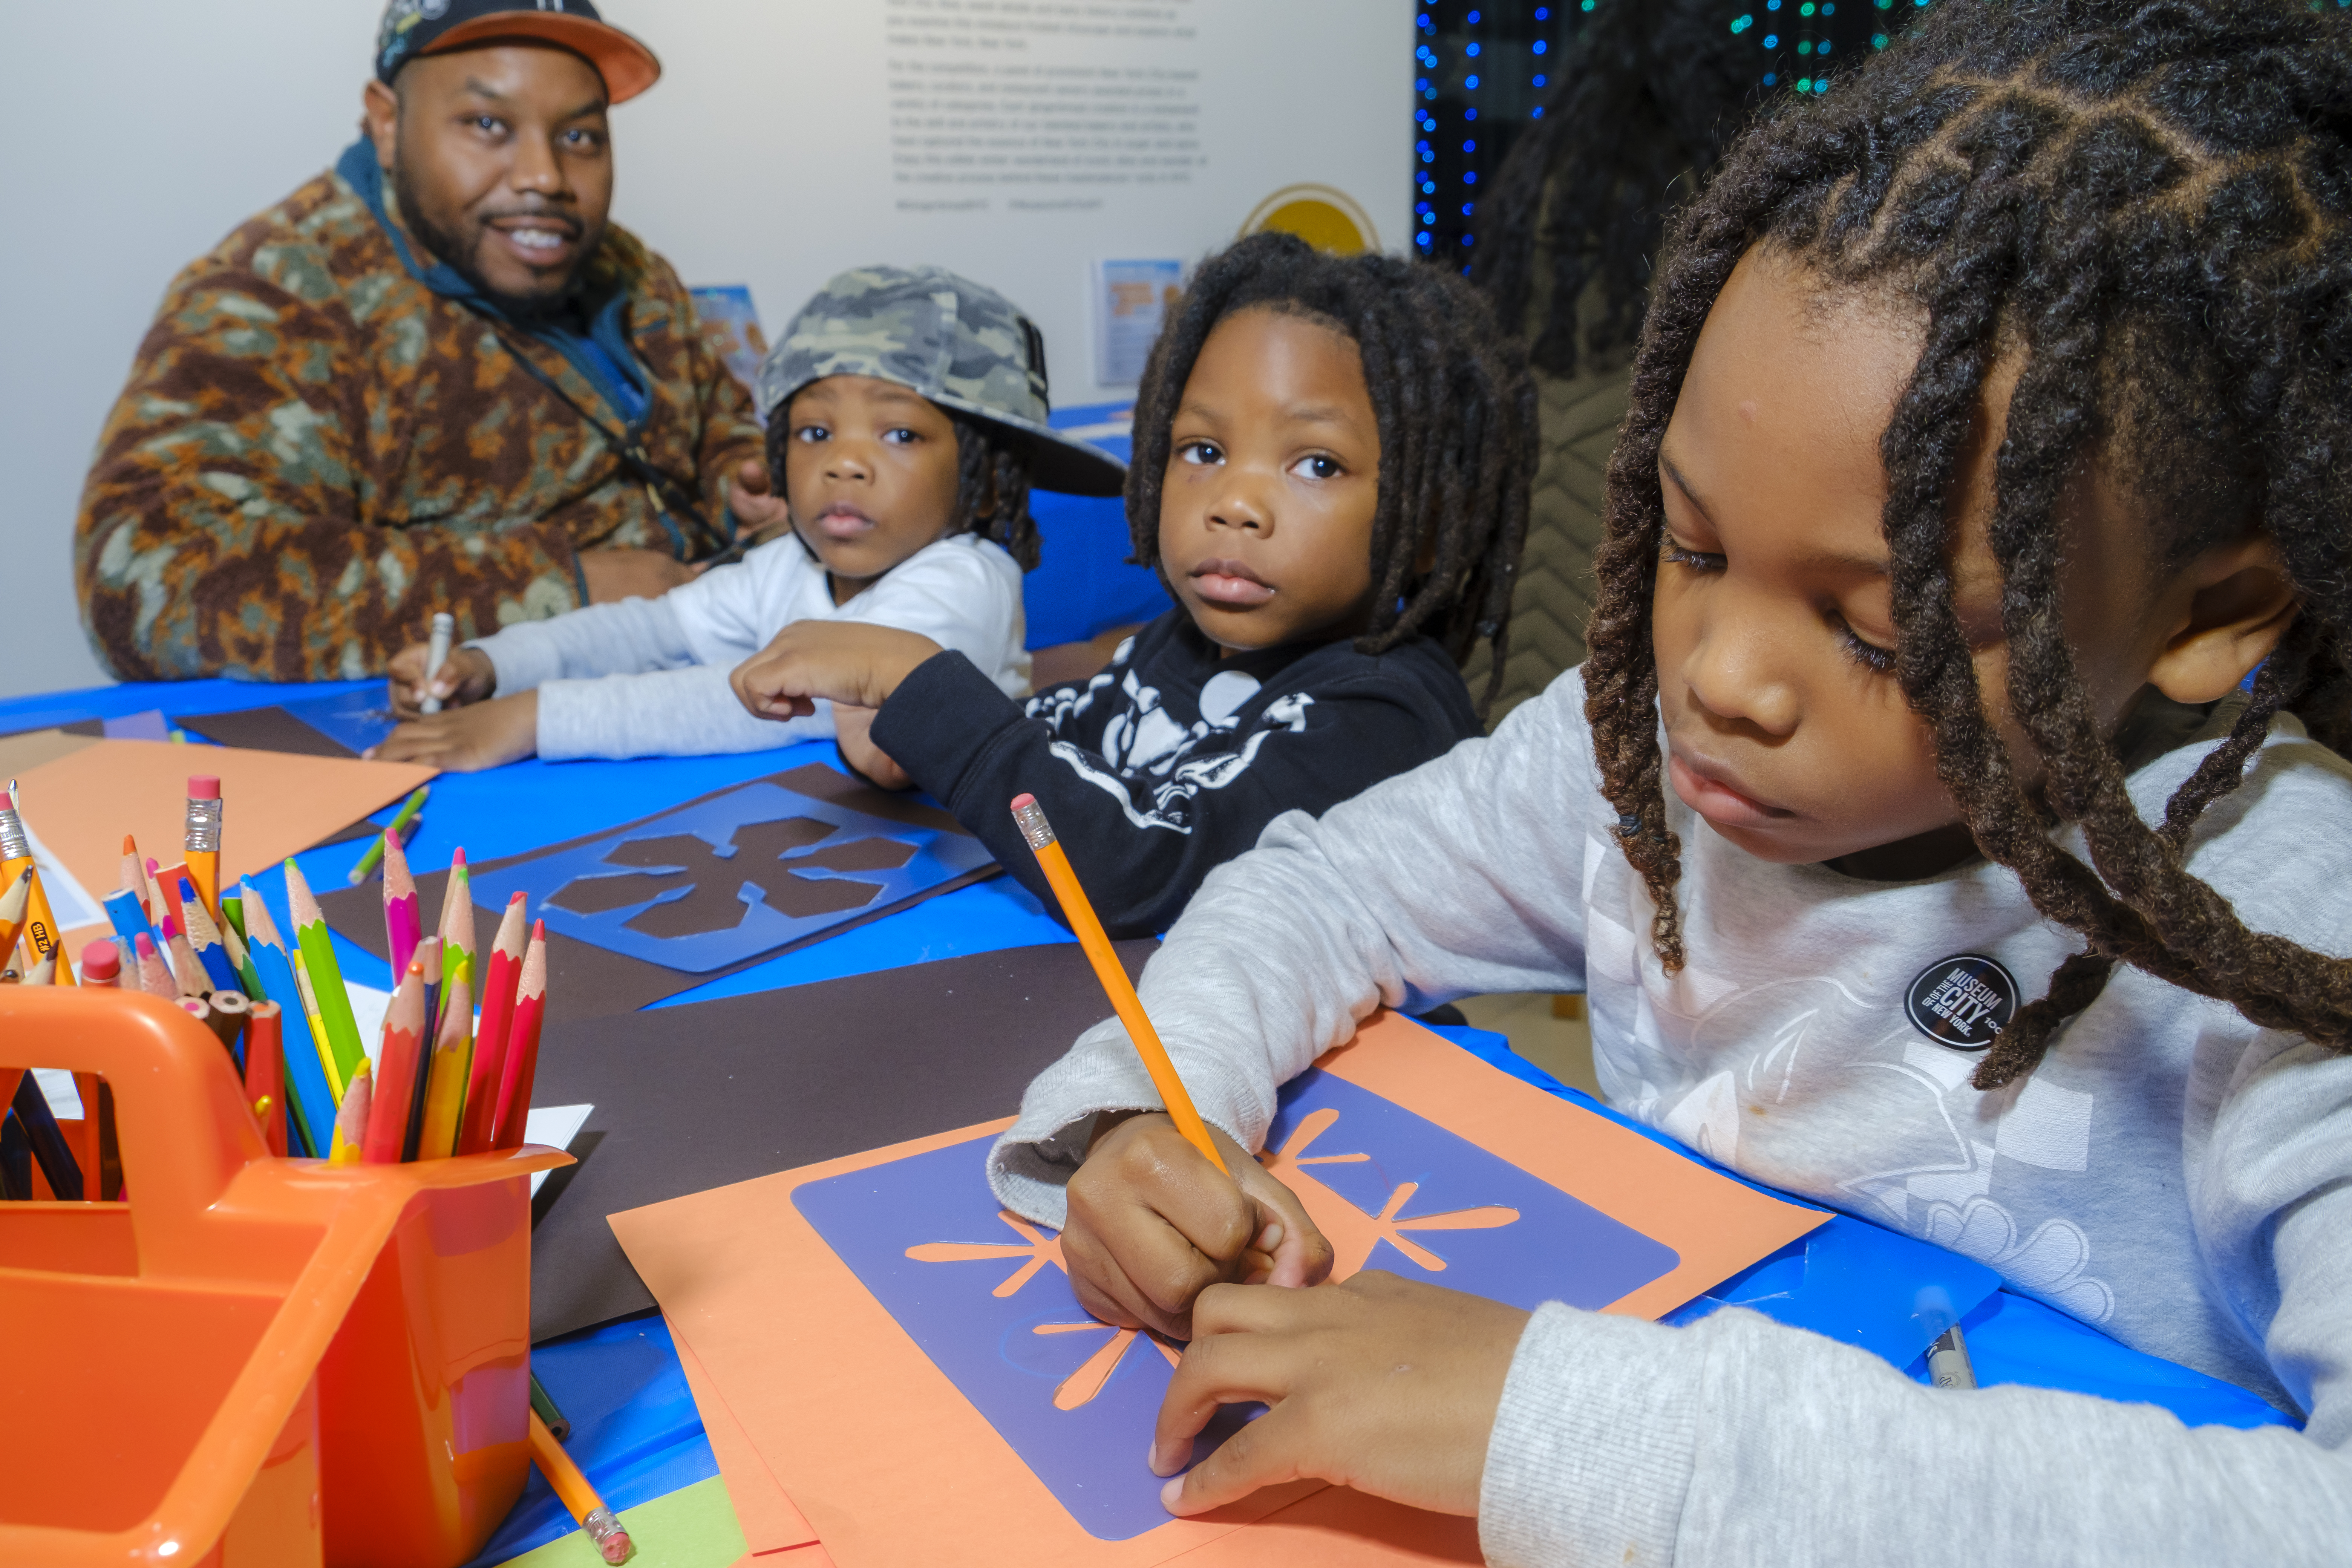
(851, 732)
(1379, 1384)
(466, 675)
(1152, 1223)
(758, 510)
(466, 740)
(841, 661)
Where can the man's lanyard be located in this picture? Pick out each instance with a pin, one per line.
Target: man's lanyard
(668, 494)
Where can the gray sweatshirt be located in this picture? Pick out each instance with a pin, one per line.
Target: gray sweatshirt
(647, 678)
(2171, 1174)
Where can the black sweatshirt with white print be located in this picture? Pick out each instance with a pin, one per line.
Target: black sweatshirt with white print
(1171, 760)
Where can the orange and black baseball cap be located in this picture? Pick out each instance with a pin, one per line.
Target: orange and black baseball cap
(414, 28)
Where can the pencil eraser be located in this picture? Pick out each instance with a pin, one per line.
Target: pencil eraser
(202, 787)
(100, 962)
(1022, 801)
(7, 801)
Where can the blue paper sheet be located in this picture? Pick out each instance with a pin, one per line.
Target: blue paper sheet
(712, 884)
(986, 1298)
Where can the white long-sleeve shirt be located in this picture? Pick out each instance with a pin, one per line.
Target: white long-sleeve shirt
(2171, 1173)
(648, 676)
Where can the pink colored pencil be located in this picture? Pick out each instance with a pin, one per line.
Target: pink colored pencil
(186, 968)
(395, 1082)
(402, 915)
(501, 978)
(154, 978)
(522, 1044)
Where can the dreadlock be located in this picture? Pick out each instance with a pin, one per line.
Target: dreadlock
(2146, 205)
(992, 486)
(1456, 415)
(1650, 93)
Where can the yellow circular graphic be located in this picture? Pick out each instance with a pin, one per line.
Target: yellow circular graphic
(1325, 218)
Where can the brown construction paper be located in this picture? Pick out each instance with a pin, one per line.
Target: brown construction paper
(264, 730)
(891, 1464)
(771, 1523)
(276, 805)
(713, 1092)
(586, 981)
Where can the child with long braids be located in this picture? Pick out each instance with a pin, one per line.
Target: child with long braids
(1330, 473)
(1910, 830)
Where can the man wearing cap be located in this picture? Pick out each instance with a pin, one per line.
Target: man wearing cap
(432, 378)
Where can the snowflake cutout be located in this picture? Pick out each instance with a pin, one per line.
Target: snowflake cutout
(1352, 1232)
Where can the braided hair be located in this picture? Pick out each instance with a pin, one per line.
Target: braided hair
(1456, 415)
(1651, 92)
(2148, 204)
(992, 485)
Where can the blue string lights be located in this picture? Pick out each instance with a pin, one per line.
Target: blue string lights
(1481, 74)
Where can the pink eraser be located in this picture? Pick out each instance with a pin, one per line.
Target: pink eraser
(1021, 800)
(100, 962)
(202, 787)
(7, 801)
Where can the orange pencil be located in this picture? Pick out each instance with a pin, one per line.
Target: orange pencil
(403, 1032)
(500, 977)
(1031, 817)
(134, 876)
(564, 1477)
(204, 840)
(522, 1044)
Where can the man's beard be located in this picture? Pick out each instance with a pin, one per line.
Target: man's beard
(453, 251)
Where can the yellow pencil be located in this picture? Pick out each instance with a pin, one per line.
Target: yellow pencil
(351, 1117)
(453, 1054)
(318, 1026)
(1031, 817)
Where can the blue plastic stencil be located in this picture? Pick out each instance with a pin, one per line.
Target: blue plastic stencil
(985, 1296)
(358, 718)
(729, 878)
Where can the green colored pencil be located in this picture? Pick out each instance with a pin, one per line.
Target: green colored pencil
(401, 818)
(326, 976)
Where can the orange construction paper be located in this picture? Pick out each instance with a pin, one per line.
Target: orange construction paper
(891, 1464)
(277, 804)
(771, 1523)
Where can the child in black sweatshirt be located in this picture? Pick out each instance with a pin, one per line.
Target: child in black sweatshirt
(1331, 464)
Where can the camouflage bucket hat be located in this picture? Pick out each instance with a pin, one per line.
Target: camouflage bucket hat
(963, 347)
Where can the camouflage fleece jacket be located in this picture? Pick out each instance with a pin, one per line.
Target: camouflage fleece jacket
(317, 450)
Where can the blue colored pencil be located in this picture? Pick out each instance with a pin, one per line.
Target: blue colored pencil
(307, 1093)
(130, 918)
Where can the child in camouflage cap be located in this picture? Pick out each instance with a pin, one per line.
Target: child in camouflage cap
(906, 415)
(1332, 456)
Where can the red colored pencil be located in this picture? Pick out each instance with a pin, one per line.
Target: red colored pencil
(265, 1073)
(522, 1044)
(167, 886)
(403, 917)
(395, 1082)
(500, 977)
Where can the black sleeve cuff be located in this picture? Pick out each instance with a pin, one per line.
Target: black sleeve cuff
(940, 720)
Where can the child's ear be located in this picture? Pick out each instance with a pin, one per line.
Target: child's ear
(2240, 604)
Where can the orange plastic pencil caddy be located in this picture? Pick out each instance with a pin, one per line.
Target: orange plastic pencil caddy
(1055, 864)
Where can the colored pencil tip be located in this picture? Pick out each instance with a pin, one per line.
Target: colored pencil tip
(144, 944)
(130, 845)
(458, 859)
(170, 928)
(515, 897)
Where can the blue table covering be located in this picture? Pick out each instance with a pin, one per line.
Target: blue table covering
(635, 1428)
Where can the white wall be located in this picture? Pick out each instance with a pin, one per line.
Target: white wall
(764, 156)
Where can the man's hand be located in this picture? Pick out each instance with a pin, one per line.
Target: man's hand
(1152, 1223)
(616, 574)
(847, 662)
(466, 675)
(466, 740)
(852, 730)
(1379, 1384)
(758, 511)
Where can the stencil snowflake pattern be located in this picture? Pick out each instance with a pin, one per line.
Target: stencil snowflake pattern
(1353, 1233)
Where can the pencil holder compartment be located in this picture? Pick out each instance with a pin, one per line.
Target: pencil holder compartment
(252, 1360)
